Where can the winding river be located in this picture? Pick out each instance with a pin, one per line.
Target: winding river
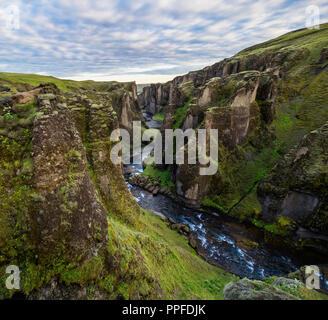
(219, 239)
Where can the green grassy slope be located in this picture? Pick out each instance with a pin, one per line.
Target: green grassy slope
(21, 82)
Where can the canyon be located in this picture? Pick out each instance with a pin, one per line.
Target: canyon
(80, 227)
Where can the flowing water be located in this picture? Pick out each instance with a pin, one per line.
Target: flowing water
(220, 240)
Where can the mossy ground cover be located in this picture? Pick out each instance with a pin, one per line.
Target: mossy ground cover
(180, 115)
(16, 169)
(148, 262)
(156, 262)
(297, 289)
(159, 116)
(158, 176)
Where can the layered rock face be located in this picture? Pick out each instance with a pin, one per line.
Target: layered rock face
(57, 183)
(154, 96)
(297, 187)
(157, 95)
(68, 217)
(262, 101)
(231, 104)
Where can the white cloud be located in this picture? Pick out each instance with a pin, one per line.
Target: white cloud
(141, 39)
(139, 78)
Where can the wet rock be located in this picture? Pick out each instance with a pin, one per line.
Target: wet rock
(172, 221)
(155, 191)
(247, 244)
(150, 188)
(181, 228)
(130, 170)
(192, 242)
(186, 230)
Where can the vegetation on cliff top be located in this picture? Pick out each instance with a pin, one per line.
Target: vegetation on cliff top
(25, 82)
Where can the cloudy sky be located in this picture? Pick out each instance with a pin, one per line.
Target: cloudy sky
(142, 40)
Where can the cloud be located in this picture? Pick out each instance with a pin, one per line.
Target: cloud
(142, 40)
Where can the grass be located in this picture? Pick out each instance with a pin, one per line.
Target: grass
(159, 254)
(17, 81)
(159, 116)
(162, 177)
(302, 37)
(207, 202)
(180, 115)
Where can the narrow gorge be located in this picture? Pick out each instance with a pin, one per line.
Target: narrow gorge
(80, 227)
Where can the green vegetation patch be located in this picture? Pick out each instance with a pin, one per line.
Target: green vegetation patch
(180, 115)
(159, 116)
(158, 176)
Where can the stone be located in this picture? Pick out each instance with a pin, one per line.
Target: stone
(155, 191)
(192, 242)
(171, 221)
(254, 290)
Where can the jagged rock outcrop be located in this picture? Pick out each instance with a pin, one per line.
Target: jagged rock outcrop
(163, 94)
(263, 100)
(68, 212)
(57, 187)
(297, 187)
(154, 96)
(236, 117)
(125, 103)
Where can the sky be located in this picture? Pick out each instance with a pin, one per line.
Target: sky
(146, 41)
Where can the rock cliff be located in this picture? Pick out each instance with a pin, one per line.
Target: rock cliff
(263, 101)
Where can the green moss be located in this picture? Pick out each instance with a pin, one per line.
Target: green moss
(207, 202)
(297, 289)
(180, 115)
(284, 222)
(156, 262)
(159, 116)
(88, 273)
(158, 176)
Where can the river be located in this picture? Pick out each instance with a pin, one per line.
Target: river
(219, 238)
